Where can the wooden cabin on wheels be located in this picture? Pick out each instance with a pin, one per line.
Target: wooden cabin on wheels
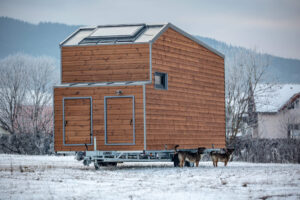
(132, 92)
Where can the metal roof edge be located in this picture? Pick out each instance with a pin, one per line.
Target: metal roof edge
(88, 45)
(74, 33)
(121, 25)
(102, 84)
(164, 28)
(170, 25)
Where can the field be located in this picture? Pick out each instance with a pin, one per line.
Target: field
(52, 177)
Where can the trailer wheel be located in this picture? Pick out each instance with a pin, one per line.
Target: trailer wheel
(109, 164)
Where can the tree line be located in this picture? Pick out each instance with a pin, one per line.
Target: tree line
(26, 112)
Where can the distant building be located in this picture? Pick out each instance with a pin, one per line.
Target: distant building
(279, 115)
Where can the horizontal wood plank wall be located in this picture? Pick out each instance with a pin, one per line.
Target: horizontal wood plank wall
(105, 63)
(191, 112)
(98, 93)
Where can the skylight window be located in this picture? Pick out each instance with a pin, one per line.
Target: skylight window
(121, 31)
(114, 34)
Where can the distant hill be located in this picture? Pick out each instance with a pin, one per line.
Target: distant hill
(44, 39)
(41, 39)
(282, 70)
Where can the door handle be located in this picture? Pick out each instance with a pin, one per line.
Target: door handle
(130, 122)
(66, 122)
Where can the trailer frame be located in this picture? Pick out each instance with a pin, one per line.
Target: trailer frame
(111, 158)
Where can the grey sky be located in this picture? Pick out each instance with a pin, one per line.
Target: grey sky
(271, 26)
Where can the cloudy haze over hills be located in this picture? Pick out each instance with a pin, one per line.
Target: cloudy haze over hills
(271, 26)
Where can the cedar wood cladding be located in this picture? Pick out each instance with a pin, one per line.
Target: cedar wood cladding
(105, 63)
(97, 94)
(191, 112)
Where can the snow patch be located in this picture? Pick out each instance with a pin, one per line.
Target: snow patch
(52, 177)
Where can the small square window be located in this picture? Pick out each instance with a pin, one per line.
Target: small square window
(161, 80)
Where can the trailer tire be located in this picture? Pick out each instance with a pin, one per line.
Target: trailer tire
(110, 164)
(99, 164)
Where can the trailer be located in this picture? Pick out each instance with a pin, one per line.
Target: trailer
(111, 158)
(132, 92)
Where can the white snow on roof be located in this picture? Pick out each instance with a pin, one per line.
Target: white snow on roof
(78, 36)
(149, 34)
(146, 36)
(274, 99)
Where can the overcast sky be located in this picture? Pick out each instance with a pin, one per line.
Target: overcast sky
(271, 26)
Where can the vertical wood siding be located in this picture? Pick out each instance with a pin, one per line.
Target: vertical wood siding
(97, 94)
(191, 112)
(77, 131)
(119, 120)
(105, 63)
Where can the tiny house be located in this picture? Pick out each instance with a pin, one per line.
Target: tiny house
(138, 87)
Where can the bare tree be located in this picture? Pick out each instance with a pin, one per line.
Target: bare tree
(39, 95)
(13, 83)
(39, 98)
(26, 101)
(246, 72)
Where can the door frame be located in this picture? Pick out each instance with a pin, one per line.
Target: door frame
(91, 132)
(105, 120)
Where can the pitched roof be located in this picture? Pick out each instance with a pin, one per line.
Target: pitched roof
(291, 100)
(276, 99)
(125, 34)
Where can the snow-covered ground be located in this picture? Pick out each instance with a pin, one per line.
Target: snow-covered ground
(51, 177)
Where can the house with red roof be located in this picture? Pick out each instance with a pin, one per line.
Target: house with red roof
(278, 113)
